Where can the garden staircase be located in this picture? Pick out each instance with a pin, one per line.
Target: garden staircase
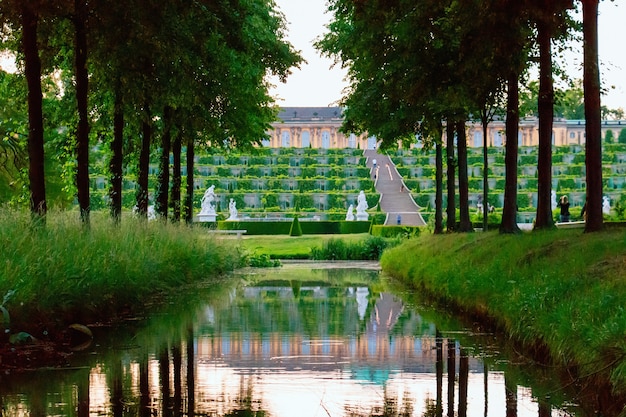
(395, 198)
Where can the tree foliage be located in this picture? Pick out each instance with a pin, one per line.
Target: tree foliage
(206, 61)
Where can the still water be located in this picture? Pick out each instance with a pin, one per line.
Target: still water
(301, 340)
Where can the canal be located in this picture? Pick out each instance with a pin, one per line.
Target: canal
(302, 340)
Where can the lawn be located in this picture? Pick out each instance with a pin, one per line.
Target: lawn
(287, 247)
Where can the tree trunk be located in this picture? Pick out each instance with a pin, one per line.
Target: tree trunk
(115, 164)
(465, 223)
(32, 70)
(189, 197)
(82, 89)
(509, 211)
(450, 208)
(176, 177)
(439, 186)
(144, 165)
(545, 108)
(163, 183)
(485, 123)
(593, 133)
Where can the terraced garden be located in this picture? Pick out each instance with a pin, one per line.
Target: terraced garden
(568, 176)
(326, 181)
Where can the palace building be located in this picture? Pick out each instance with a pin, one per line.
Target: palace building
(318, 127)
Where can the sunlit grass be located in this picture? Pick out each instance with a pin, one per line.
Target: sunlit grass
(64, 271)
(287, 247)
(561, 288)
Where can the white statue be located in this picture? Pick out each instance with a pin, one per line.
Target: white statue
(350, 214)
(361, 206)
(606, 205)
(232, 209)
(553, 200)
(208, 208)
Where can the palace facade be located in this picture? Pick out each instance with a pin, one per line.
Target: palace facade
(318, 127)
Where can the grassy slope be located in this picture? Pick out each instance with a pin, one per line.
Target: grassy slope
(64, 272)
(563, 288)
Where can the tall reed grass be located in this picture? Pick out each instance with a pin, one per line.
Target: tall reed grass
(561, 289)
(64, 271)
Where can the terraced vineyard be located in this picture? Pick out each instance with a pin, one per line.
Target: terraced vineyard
(568, 175)
(272, 180)
(328, 180)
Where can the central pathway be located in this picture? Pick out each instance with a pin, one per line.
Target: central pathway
(395, 198)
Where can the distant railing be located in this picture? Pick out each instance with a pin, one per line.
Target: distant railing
(282, 217)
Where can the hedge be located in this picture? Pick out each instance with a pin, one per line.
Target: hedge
(284, 227)
(393, 231)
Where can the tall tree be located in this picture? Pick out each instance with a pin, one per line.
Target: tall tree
(509, 211)
(550, 18)
(545, 107)
(593, 133)
(465, 223)
(82, 91)
(451, 183)
(32, 70)
(163, 180)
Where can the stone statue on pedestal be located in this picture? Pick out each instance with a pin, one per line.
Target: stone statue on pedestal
(361, 214)
(350, 214)
(232, 209)
(207, 212)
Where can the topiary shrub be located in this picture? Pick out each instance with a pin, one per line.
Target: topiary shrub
(296, 230)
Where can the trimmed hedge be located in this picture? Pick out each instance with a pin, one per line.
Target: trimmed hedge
(284, 227)
(257, 228)
(394, 231)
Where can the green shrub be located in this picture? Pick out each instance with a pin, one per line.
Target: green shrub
(331, 250)
(263, 261)
(395, 231)
(338, 249)
(296, 230)
(622, 136)
(349, 227)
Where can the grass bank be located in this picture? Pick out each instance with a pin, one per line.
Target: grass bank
(64, 273)
(561, 291)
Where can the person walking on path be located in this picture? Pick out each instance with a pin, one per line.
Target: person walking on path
(564, 206)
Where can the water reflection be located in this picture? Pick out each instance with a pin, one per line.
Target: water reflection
(306, 344)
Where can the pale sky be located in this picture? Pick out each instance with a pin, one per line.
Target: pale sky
(316, 84)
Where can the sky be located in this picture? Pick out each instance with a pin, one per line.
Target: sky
(316, 84)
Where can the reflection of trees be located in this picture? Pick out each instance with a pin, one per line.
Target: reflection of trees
(389, 408)
(191, 378)
(451, 375)
(244, 401)
(545, 410)
(144, 387)
(439, 370)
(177, 362)
(510, 388)
(463, 382)
(164, 380)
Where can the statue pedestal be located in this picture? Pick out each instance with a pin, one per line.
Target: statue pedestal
(362, 217)
(206, 217)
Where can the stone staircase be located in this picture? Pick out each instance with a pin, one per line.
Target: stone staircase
(395, 199)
